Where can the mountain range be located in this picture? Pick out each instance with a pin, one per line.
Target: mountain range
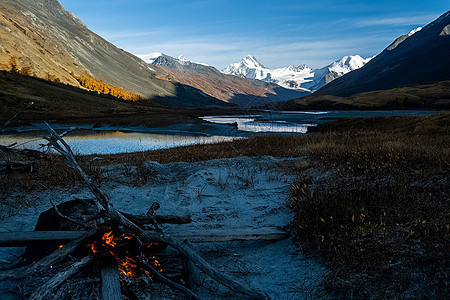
(412, 72)
(420, 57)
(243, 92)
(42, 39)
(300, 77)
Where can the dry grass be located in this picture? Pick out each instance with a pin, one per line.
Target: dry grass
(377, 206)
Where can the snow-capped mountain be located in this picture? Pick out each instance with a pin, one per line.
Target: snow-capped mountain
(295, 77)
(153, 57)
(241, 91)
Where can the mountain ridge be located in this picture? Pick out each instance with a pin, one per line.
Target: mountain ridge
(412, 59)
(300, 77)
(243, 92)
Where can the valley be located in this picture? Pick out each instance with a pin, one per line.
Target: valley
(348, 162)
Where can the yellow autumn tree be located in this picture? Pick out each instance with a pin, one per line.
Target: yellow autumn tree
(13, 65)
(101, 87)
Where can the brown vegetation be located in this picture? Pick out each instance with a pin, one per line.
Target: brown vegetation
(99, 86)
(429, 96)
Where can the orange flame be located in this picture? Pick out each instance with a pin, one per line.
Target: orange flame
(127, 237)
(93, 247)
(127, 266)
(108, 237)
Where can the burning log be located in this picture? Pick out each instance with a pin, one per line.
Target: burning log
(44, 264)
(116, 218)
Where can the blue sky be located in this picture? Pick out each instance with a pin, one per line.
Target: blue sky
(278, 33)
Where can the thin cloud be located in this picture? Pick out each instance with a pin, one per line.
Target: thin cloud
(398, 21)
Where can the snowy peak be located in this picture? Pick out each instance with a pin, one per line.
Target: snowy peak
(348, 64)
(157, 57)
(248, 67)
(251, 62)
(300, 77)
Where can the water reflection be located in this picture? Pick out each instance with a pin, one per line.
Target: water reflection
(109, 142)
(259, 124)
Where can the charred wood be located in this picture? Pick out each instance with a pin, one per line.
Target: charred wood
(56, 281)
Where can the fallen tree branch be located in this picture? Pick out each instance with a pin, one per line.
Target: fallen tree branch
(45, 263)
(23, 238)
(26, 152)
(169, 282)
(44, 291)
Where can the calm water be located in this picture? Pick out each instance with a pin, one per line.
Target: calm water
(118, 141)
(108, 142)
(298, 121)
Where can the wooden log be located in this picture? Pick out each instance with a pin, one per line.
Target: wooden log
(27, 152)
(110, 282)
(190, 272)
(23, 238)
(170, 283)
(44, 291)
(161, 219)
(45, 263)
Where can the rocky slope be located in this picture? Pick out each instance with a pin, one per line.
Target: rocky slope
(420, 57)
(295, 77)
(232, 89)
(54, 43)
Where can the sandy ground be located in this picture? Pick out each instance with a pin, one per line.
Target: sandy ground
(224, 194)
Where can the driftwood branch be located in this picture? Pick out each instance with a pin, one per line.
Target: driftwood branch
(23, 238)
(62, 147)
(169, 282)
(26, 152)
(44, 291)
(7, 123)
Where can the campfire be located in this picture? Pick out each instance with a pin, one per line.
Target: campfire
(130, 256)
(122, 246)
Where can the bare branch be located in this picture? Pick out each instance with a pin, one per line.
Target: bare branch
(44, 291)
(45, 263)
(169, 282)
(68, 218)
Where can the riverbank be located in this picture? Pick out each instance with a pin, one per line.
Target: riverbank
(370, 198)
